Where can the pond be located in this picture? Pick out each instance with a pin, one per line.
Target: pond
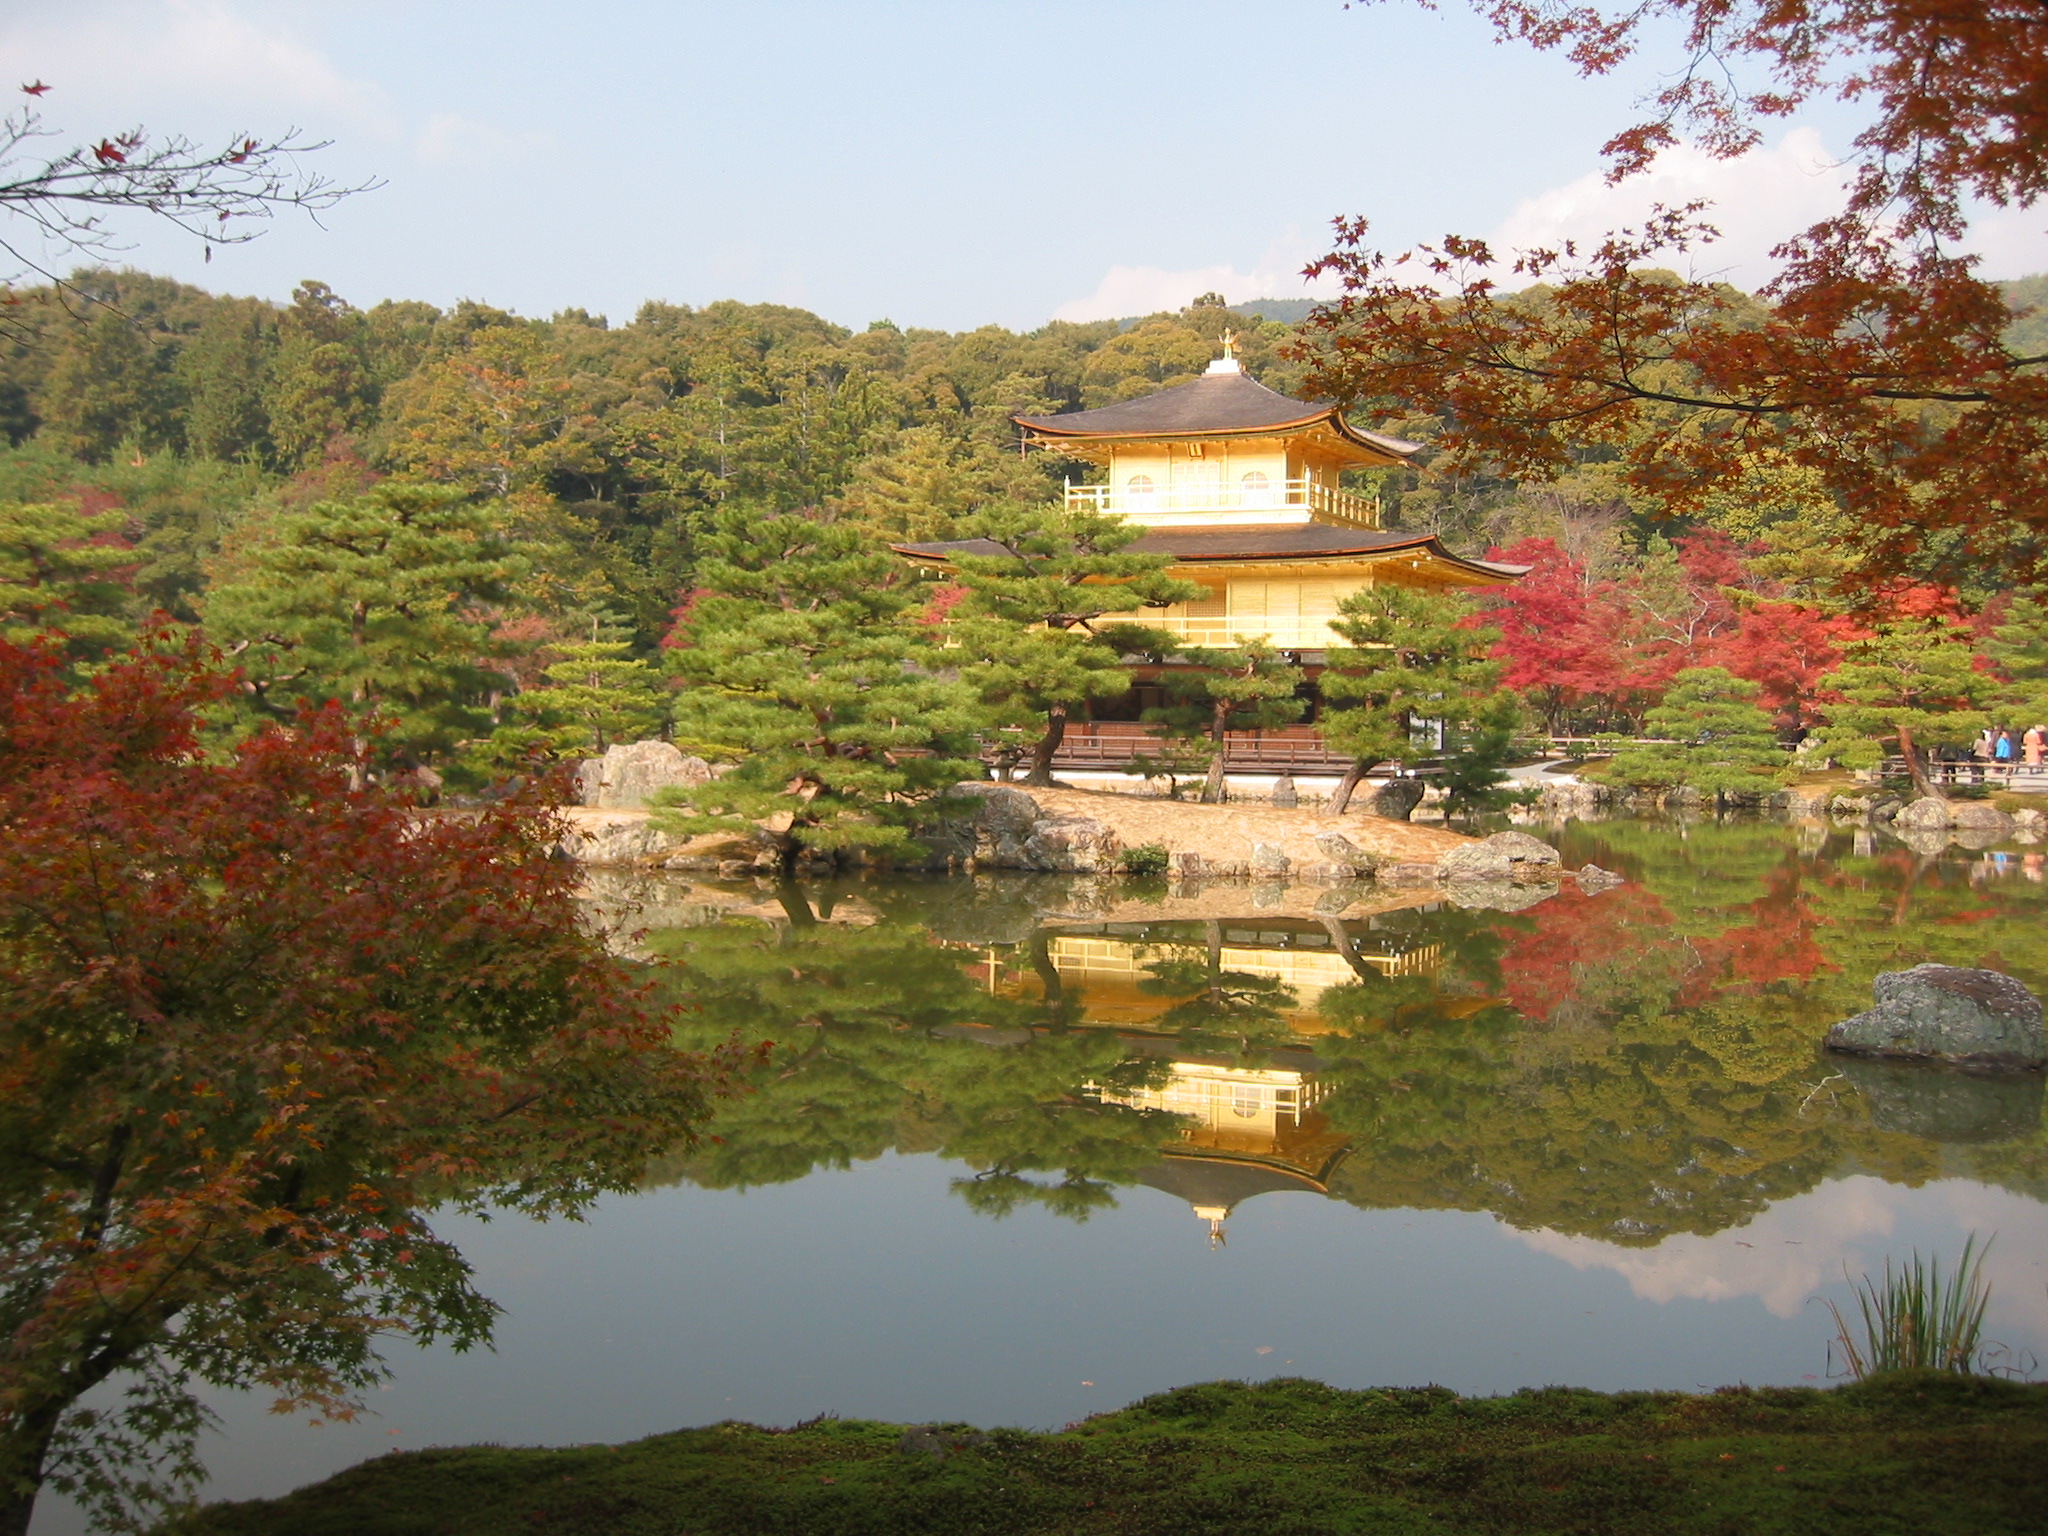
(1027, 1148)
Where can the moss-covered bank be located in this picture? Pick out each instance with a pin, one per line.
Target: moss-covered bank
(1914, 1454)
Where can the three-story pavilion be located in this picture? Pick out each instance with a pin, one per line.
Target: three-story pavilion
(1241, 485)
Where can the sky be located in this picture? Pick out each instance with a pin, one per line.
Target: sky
(949, 164)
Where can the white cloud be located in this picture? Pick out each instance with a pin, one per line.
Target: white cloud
(1759, 200)
(1800, 1246)
(139, 55)
(1126, 291)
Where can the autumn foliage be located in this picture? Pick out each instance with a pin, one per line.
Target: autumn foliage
(1877, 358)
(254, 1026)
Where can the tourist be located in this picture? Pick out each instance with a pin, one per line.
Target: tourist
(2002, 749)
(1982, 749)
(2036, 744)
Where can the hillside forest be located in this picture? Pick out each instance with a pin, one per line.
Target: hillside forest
(508, 536)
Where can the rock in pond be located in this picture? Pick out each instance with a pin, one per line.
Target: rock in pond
(1948, 1013)
(1983, 819)
(1926, 815)
(1503, 856)
(1593, 879)
(1944, 1104)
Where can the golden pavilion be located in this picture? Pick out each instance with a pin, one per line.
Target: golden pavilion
(1241, 485)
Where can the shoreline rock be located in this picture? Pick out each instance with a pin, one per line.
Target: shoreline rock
(629, 774)
(1949, 1014)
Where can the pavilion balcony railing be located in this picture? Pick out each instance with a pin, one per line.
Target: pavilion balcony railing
(1286, 497)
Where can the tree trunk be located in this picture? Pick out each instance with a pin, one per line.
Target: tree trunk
(24, 1448)
(795, 905)
(1047, 745)
(1916, 768)
(1340, 799)
(1347, 947)
(1057, 1011)
(1214, 791)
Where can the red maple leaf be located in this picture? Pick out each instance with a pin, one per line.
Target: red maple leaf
(34, 90)
(108, 155)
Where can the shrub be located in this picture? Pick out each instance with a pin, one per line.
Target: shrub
(1145, 859)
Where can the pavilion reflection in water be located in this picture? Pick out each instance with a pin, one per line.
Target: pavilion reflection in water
(1249, 1129)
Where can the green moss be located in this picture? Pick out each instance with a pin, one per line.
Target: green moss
(1901, 1454)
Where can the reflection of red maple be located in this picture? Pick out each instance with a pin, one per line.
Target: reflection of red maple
(1778, 944)
(1571, 932)
(1630, 929)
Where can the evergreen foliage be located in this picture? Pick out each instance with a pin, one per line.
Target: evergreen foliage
(57, 567)
(804, 667)
(1416, 656)
(1051, 614)
(1714, 739)
(372, 603)
(1915, 682)
(1213, 689)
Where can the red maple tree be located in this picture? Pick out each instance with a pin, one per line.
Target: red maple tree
(256, 1024)
(1877, 357)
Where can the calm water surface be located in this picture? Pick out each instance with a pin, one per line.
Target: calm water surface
(1029, 1148)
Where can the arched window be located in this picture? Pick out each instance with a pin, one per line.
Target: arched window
(1139, 487)
(1246, 1101)
(1256, 488)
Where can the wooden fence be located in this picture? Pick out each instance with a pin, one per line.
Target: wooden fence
(1113, 743)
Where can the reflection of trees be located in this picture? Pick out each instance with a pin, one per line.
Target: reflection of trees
(1215, 1008)
(881, 1040)
(1625, 1065)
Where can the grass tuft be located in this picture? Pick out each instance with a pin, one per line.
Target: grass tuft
(1916, 1318)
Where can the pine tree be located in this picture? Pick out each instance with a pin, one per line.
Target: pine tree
(2020, 647)
(804, 667)
(1714, 738)
(224, 371)
(1414, 656)
(597, 694)
(1915, 680)
(369, 602)
(1241, 687)
(56, 577)
(1047, 620)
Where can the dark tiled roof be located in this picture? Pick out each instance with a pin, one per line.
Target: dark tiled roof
(1214, 403)
(1283, 541)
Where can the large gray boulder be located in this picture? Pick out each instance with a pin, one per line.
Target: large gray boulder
(623, 840)
(1503, 856)
(627, 776)
(1476, 861)
(1950, 1014)
(1396, 799)
(1982, 819)
(1521, 848)
(1339, 850)
(989, 823)
(1078, 845)
(1926, 815)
